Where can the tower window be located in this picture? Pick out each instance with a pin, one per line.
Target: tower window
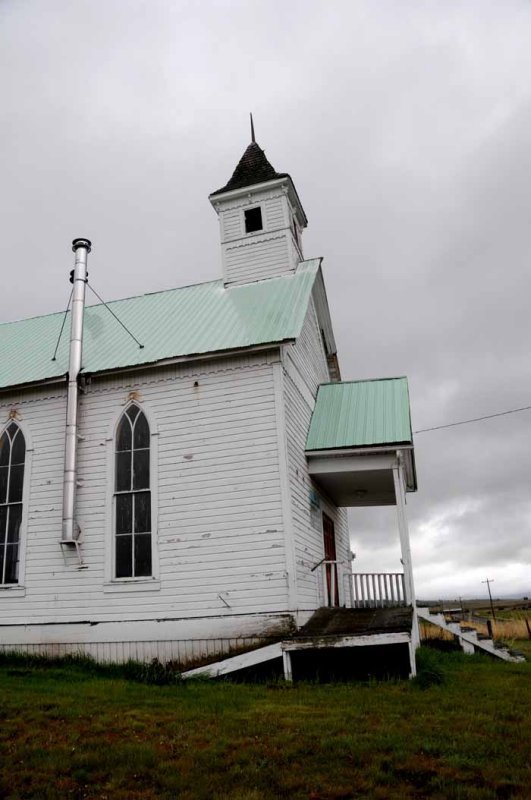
(253, 220)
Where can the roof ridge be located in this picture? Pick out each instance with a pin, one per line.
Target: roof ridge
(151, 294)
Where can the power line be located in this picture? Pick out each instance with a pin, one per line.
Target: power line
(474, 419)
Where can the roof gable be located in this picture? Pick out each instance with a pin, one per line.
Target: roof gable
(193, 320)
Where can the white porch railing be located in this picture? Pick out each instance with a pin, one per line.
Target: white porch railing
(378, 589)
(338, 586)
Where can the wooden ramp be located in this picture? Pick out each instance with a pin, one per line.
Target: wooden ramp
(469, 639)
(235, 663)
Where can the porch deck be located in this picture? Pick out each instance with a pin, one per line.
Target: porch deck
(347, 641)
(333, 622)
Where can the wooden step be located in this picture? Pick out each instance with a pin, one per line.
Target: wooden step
(469, 638)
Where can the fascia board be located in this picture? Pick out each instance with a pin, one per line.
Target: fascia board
(34, 384)
(322, 309)
(165, 362)
(357, 451)
(168, 362)
(234, 194)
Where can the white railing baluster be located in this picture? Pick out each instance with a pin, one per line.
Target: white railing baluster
(336, 584)
(373, 589)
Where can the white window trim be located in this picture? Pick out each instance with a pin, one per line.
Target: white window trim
(149, 582)
(20, 587)
(250, 207)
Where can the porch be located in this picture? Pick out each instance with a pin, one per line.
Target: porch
(360, 453)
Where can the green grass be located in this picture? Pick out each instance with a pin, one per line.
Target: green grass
(71, 730)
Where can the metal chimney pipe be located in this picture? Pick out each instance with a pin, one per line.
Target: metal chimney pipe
(81, 248)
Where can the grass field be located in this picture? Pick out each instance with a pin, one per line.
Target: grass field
(68, 732)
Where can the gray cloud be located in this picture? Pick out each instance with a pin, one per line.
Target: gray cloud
(405, 127)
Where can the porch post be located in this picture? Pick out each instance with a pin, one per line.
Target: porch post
(403, 530)
(286, 662)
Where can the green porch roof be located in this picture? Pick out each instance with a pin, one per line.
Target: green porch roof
(193, 320)
(360, 414)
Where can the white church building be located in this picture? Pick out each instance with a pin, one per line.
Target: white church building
(184, 496)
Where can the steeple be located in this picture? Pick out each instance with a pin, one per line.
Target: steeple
(261, 220)
(252, 168)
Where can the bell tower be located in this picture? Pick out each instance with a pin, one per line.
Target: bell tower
(261, 220)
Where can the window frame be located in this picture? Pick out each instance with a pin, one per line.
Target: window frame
(252, 207)
(19, 587)
(141, 582)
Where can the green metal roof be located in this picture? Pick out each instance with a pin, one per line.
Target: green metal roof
(360, 413)
(180, 322)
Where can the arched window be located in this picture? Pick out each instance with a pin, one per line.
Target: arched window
(12, 456)
(132, 496)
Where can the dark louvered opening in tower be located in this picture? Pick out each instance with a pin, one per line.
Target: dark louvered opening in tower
(253, 220)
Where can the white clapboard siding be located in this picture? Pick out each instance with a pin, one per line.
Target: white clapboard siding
(218, 517)
(305, 368)
(258, 259)
(232, 225)
(274, 218)
(308, 353)
(259, 255)
(275, 213)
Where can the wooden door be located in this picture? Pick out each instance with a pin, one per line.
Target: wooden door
(329, 537)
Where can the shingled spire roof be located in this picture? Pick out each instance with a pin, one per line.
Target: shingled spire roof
(252, 168)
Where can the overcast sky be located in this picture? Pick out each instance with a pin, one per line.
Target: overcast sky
(406, 128)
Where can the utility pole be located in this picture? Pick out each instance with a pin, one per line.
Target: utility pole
(488, 582)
